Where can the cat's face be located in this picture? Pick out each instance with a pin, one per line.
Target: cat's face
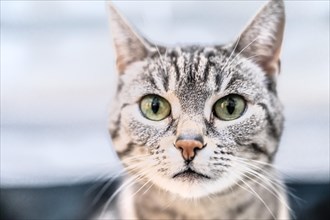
(191, 120)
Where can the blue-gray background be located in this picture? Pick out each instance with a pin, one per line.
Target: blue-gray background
(57, 80)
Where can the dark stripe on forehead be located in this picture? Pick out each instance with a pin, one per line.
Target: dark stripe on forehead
(151, 80)
(209, 53)
(177, 70)
(165, 78)
(197, 60)
(174, 58)
(162, 71)
(161, 76)
(189, 67)
(218, 82)
(206, 70)
(233, 78)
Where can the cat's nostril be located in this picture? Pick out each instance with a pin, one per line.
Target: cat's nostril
(189, 147)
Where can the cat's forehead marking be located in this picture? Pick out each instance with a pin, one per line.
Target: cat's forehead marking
(191, 67)
(194, 75)
(190, 64)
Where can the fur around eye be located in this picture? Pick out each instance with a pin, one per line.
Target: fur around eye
(154, 107)
(229, 107)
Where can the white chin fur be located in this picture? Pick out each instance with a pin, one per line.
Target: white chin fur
(192, 189)
(188, 190)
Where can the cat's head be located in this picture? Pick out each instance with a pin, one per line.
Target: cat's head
(196, 120)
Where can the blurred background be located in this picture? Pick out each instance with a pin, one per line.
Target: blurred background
(58, 77)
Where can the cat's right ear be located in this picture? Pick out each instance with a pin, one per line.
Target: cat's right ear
(129, 46)
(262, 38)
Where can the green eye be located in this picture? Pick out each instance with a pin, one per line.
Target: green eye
(229, 107)
(154, 107)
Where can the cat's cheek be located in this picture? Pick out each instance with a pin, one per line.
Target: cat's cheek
(251, 128)
(202, 158)
(139, 128)
(206, 167)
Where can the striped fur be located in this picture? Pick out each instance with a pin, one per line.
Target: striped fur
(240, 184)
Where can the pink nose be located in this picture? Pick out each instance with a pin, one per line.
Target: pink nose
(188, 148)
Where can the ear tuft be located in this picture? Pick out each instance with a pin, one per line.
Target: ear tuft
(262, 38)
(129, 45)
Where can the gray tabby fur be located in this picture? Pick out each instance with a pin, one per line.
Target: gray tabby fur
(242, 183)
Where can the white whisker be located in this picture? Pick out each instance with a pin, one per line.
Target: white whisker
(109, 183)
(231, 54)
(128, 183)
(225, 83)
(146, 183)
(243, 50)
(151, 185)
(256, 194)
(263, 179)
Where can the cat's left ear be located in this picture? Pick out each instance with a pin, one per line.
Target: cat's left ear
(129, 45)
(262, 39)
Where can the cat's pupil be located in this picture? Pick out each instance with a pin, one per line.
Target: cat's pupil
(155, 105)
(231, 105)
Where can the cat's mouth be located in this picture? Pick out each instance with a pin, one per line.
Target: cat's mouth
(190, 174)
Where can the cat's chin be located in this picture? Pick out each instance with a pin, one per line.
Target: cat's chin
(193, 189)
(193, 186)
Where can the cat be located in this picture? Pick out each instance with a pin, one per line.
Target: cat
(197, 127)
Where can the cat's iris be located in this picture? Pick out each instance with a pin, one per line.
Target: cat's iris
(154, 107)
(229, 107)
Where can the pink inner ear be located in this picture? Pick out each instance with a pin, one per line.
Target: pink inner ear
(273, 65)
(270, 64)
(121, 64)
